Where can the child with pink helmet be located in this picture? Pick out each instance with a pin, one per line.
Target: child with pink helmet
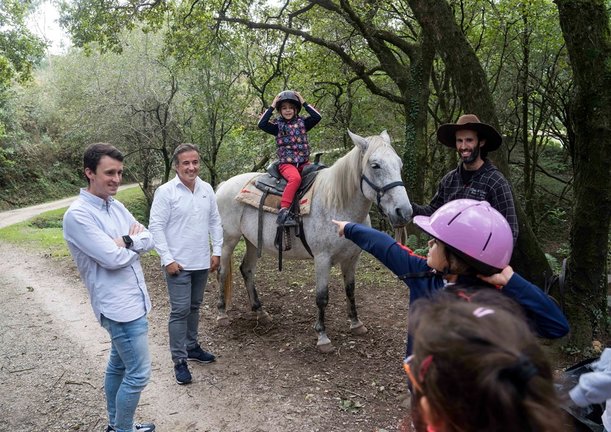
(469, 254)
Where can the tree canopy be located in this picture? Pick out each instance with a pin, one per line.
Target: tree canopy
(149, 75)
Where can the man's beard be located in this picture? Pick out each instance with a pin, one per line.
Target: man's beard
(473, 157)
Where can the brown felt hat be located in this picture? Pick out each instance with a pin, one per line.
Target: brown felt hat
(446, 134)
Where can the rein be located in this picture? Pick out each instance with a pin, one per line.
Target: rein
(380, 191)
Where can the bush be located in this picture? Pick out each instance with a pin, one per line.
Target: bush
(136, 203)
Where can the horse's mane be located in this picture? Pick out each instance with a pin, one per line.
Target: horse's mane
(341, 182)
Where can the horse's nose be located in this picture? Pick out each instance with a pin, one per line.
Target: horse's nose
(404, 214)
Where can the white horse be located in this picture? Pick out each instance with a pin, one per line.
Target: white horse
(370, 172)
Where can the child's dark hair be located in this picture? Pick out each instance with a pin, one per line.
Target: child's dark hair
(481, 369)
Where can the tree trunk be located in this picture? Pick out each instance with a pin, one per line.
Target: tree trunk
(436, 18)
(585, 26)
(523, 76)
(416, 100)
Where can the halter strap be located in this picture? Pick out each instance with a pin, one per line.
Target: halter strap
(380, 191)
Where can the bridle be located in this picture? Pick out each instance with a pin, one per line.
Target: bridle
(380, 191)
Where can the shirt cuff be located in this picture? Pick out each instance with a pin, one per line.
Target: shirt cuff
(167, 260)
(579, 397)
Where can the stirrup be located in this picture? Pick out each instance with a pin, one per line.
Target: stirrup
(290, 222)
(286, 219)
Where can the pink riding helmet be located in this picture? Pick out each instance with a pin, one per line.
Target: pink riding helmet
(475, 230)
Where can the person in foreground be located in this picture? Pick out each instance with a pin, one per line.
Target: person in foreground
(184, 217)
(106, 241)
(479, 368)
(470, 249)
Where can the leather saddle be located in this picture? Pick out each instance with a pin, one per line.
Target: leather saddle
(272, 181)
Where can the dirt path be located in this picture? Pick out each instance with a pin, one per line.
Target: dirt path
(53, 354)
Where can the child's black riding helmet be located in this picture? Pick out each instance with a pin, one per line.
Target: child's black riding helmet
(289, 96)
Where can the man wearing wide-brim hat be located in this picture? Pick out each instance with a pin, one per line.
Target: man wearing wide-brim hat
(475, 177)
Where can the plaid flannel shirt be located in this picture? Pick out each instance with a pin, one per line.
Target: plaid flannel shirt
(487, 184)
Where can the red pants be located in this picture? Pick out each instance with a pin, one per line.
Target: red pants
(292, 174)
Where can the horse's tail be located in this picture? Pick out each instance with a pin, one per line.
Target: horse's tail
(228, 287)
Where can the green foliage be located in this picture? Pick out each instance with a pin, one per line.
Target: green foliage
(31, 172)
(203, 71)
(42, 232)
(554, 263)
(105, 21)
(20, 50)
(48, 220)
(49, 240)
(570, 350)
(136, 203)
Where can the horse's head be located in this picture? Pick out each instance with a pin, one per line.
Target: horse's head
(381, 177)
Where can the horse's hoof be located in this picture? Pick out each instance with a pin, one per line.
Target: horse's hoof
(222, 320)
(324, 345)
(325, 348)
(358, 329)
(264, 317)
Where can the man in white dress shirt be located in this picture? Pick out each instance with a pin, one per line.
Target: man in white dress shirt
(106, 241)
(184, 219)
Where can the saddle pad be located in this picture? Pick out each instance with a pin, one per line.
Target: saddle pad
(249, 194)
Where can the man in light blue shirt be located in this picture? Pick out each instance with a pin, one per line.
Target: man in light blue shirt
(184, 219)
(106, 241)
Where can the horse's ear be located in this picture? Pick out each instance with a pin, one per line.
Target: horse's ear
(359, 141)
(385, 136)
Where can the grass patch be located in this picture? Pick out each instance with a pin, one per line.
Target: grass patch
(50, 240)
(44, 232)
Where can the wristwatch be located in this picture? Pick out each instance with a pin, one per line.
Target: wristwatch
(128, 241)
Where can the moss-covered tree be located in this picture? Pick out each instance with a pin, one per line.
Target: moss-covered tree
(585, 25)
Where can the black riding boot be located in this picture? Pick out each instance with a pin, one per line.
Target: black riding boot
(285, 218)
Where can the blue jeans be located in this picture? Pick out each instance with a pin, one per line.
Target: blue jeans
(186, 291)
(128, 370)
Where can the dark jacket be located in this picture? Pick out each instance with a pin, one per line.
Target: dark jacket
(486, 184)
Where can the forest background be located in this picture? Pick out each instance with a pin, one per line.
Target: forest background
(148, 75)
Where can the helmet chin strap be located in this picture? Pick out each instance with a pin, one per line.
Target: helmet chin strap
(447, 271)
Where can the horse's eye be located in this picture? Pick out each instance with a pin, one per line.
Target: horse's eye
(375, 165)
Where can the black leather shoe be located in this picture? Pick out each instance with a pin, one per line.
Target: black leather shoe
(138, 427)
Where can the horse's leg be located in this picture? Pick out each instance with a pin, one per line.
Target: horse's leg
(248, 268)
(348, 271)
(225, 278)
(322, 266)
